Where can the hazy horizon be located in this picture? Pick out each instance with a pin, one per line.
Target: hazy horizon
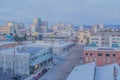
(78, 12)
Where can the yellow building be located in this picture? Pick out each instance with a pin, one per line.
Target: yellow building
(83, 36)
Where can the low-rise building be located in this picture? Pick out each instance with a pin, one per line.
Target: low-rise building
(58, 47)
(90, 71)
(25, 60)
(101, 55)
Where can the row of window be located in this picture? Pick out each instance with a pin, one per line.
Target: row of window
(103, 60)
(115, 35)
(100, 54)
(116, 39)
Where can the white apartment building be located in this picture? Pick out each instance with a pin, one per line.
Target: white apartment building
(114, 40)
(96, 40)
(99, 41)
(107, 36)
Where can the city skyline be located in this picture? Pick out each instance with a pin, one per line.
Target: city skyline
(77, 12)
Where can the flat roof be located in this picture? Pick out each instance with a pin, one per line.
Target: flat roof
(49, 44)
(30, 50)
(10, 51)
(83, 72)
(102, 48)
(6, 42)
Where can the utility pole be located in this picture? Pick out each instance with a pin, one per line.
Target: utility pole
(60, 46)
(14, 62)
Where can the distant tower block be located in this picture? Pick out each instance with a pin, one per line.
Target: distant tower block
(81, 28)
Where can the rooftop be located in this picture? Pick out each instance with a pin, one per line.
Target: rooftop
(30, 49)
(90, 71)
(107, 72)
(83, 72)
(102, 48)
(49, 44)
(6, 42)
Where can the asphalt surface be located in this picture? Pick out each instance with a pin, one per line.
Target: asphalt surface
(65, 66)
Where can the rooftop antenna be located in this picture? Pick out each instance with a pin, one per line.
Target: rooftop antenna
(115, 73)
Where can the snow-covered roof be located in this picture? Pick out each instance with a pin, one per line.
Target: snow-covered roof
(90, 71)
(107, 72)
(83, 72)
(102, 48)
(10, 51)
(6, 42)
(50, 44)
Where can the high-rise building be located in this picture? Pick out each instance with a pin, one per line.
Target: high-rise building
(44, 27)
(44, 23)
(37, 21)
(39, 26)
(11, 28)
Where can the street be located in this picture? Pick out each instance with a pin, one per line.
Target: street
(65, 66)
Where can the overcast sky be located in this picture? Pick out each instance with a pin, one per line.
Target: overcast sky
(77, 12)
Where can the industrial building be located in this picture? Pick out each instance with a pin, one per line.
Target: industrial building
(25, 60)
(58, 47)
(90, 71)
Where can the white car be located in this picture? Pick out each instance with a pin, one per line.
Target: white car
(50, 66)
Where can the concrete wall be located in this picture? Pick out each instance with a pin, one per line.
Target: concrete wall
(21, 63)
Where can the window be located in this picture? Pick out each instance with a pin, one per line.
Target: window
(86, 54)
(90, 54)
(95, 59)
(90, 59)
(103, 38)
(86, 59)
(81, 41)
(107, 55)
(108, 60)
(99, 54)
(104, 60)
(113, 35)
(113, 55)
(113, 60)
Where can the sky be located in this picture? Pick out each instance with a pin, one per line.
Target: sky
(77, 12)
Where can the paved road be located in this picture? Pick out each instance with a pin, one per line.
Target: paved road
(65, 66)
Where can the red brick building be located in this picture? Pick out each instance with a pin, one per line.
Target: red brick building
(102, 56)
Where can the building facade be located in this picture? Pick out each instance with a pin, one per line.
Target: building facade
(26, 60)
(105, 39)
(101, 55)
(83, 37)
(96, 40)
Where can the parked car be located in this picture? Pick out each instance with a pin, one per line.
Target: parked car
(44, 70)
(40, 75)
(34, 78)
(16, 77)
(51, 66)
